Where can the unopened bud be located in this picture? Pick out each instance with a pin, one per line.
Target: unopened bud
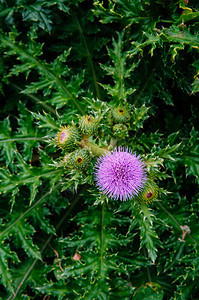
(121, 114)
(120, 131)
(79, 159)
(68, 138)
(88, 125)
(149, 193)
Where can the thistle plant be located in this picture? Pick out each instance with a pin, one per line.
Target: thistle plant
(99, 167)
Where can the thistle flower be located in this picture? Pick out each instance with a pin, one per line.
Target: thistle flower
(121, 174)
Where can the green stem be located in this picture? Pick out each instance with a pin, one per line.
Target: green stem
(120, 67)
(102, 240)
(144, 87)
(168, 213)
(113, 143)
(97, 151)
(148, 269)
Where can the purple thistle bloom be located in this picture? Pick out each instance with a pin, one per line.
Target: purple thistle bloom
(121, 174)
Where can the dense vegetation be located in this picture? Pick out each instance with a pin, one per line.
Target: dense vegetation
(60, 237)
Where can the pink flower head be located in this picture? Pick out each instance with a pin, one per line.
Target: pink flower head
(120, 174)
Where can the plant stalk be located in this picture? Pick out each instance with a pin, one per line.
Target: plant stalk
(97, 151)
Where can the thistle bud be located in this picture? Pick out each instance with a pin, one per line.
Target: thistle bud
(68, 138)
(120, 114)
(88, 125)
(120, 131)
(149, 193)
(79, 159)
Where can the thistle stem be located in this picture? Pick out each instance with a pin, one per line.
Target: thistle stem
(97, 151)
(113, 143)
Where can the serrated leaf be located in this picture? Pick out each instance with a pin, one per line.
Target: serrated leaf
(118, 71)
(24, 232)
(6, 141)
(31, 177)
(190, 156)
(149, 291)
(55, 289)
(45, 70)
(46, 121)
(148, 237)
(5, 255)
(139, 115)
(36, 12)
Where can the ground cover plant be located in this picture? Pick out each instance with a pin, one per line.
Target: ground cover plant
(99, 148)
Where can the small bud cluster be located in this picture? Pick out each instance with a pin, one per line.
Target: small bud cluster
(120, 131)
(119, 118)
(120, 173)
(69, 139)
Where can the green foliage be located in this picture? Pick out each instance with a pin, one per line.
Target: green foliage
(149, 291)
(62, 62)
(118, 71)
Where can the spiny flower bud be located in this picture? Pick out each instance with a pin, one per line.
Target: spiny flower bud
(68, 138)
(79, 159)
(149, 193)
(120, 131)
(88, 125)
(120, 114)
